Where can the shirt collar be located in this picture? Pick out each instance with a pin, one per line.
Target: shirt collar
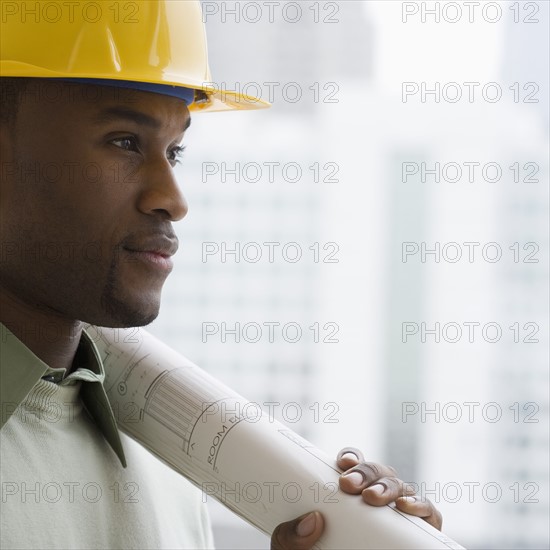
(20, 370)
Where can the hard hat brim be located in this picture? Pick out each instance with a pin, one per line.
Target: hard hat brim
(207, 97)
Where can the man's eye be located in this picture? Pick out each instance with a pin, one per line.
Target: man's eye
(175, 155)
(126, 143)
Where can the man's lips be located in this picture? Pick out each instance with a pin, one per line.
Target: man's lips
(156, 252)
(152, 259)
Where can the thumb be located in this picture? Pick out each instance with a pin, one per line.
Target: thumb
(299, 534)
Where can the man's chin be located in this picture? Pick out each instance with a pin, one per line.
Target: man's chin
(124, 313)
(129, 321)
(129, 302)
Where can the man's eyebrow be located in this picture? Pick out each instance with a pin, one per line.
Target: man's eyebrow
(124, 113)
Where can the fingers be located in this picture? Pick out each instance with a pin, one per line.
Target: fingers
(422, 508)
(363, 475)
(386, 490)
(379, 485)
(349, 457)
(299, 534)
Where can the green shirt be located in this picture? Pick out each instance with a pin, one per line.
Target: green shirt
(20, 370)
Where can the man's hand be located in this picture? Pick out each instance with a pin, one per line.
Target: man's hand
(377, 484)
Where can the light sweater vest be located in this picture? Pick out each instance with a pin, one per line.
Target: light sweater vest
(62, 486)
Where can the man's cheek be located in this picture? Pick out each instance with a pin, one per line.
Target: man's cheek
(123, 176)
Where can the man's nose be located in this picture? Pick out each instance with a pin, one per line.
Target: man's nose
(161, 193)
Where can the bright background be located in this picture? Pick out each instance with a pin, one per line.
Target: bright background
(488, 475)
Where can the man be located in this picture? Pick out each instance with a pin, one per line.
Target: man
(93, 113)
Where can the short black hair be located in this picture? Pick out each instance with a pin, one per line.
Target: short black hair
(11, 92)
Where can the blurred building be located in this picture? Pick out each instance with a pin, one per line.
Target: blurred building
(357, 146)
(470, 462)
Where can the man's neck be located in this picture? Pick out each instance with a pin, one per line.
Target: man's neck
(52, 338)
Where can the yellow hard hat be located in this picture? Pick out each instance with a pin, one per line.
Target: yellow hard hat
(158, 43)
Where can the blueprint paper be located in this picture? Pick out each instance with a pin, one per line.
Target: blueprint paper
(254, 465)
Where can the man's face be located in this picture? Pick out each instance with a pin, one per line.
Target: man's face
(88, 195)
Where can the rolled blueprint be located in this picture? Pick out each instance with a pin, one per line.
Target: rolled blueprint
(224, 444)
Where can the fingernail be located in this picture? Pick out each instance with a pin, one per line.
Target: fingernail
(306, 526)
(349, 456)
(409, 499)
(355, 478)
(378, 488)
